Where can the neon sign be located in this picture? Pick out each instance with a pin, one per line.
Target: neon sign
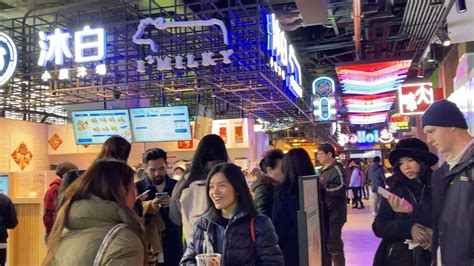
(324, 102)
(56, 46)
(283, 56)
(366, 137)
(165, 63)
(416, 98)
(8, 58)
(398, 123)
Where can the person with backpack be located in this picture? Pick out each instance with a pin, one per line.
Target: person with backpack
(189, 197)
(231, 226)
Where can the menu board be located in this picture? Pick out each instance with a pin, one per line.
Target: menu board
(95, 127)
(160, 124)
(4, 184)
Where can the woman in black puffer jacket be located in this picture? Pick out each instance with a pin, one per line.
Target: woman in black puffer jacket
(231, 226)
(412, 163)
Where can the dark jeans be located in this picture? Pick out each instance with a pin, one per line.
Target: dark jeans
(365, 192)
(357, 191)
(335, 245)
(3, 256)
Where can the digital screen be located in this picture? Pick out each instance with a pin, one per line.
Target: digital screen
(4, 184)
(95, 127)
(160, 124)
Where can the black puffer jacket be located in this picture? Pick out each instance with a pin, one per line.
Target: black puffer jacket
(8, 218)
(453, 206)
(238, 247)
(264, 191)
(395, 228)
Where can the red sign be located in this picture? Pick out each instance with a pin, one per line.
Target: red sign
(414, 99)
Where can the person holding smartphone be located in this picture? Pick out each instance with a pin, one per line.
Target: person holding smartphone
(154, 192)
(406, 237)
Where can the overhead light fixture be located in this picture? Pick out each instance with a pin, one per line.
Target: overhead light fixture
(443, 37)
(461, 6)
(419, 73)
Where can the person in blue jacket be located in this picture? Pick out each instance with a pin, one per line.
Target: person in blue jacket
(231, 225)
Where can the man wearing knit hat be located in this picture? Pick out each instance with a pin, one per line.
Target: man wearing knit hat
(452, 184)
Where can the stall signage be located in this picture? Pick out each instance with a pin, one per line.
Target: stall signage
(8, 58)
(90, 45)
(414, 99)
(324, 102)
(164, 63)
(398, 123)
(366, 137)
(283, 58)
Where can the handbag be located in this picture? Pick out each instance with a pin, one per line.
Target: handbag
(111, 234)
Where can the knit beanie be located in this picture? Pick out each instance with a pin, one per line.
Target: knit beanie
(443, 113)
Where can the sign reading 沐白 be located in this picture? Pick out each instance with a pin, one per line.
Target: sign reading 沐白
(8, 58)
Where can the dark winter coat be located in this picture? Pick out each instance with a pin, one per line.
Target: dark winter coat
(172, 236)
(286, 226)
(264, 191)
(334, 182)
(453, 205)
(394, 228)
(8, 218)
(376, 175)
(238, 247)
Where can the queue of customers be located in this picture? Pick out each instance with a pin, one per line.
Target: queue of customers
(162, 221)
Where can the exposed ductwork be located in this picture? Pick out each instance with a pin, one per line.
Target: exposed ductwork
(356, 12)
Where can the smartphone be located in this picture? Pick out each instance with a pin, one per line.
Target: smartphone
(161, 194)
(383, 192)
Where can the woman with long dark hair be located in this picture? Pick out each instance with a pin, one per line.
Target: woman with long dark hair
(231, 226)
(98, 201)
(296, 163)
(412, 162)
(188, 200)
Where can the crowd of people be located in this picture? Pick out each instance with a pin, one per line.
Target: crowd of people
(207, 207)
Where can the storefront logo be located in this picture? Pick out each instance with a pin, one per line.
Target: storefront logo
(165, 62)
(8, 58)
(283, 58)
(415, 98)
(324, 101)
(366, 137)
(90, 45)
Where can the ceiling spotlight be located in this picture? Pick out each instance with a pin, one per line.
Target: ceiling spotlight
(443, 37)
(419, 73)
(461, 6)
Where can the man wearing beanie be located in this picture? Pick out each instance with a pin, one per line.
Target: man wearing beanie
(452, 184)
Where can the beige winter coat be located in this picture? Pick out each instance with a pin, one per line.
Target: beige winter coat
(87, 225)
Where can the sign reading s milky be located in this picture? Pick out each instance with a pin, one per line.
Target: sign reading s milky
(164, 63)
(8, 58)
(283, 56)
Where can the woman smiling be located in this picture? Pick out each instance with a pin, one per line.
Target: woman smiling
(231, 226)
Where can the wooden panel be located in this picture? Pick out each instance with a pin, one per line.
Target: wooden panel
(26, 242)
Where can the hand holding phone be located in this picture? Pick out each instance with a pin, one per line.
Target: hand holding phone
(398, 204)
(163, 199)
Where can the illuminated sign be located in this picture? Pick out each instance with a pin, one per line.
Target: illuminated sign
(8, 58)
(90, 45)
(283, 59)
(165, 63)
(398, 123)
(416, 98)
(324, 102)
(366, 137)
(56, 46)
